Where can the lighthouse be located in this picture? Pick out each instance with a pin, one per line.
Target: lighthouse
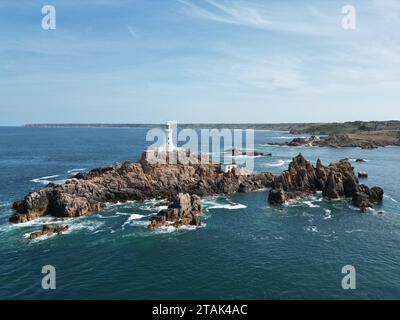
(169, 129)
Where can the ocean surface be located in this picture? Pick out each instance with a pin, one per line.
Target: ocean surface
(245, 250)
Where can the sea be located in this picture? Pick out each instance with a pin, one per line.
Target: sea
(245, 249)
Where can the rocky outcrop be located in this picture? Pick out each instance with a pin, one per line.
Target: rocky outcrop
(336, 181)
(89, 192)
(236, 152)
(48, 230)
(365, 197)
(184, 211)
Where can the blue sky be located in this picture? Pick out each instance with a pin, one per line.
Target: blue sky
(199, 61)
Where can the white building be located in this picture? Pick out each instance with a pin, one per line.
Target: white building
(169, 130)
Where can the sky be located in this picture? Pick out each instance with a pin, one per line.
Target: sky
(149, 61)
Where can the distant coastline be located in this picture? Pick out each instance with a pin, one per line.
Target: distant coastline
(363, 134)
(256, 126)
(299, 127)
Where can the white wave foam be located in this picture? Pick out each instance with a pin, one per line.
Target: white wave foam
(246, 157)
(328, 214)
(170, 229)
(44, 180)
(228, 206)
(122, 214)
(76, 170)
(40, 222)
(312, 229)
(310, 204)
(110, 205)
(151, 205)
(291, 137)
(356, 230)
(390, 198)
(85, 225)
(279, 163)
(40, 238)
(134, 220)
(135, 216)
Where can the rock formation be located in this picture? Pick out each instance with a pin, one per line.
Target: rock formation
(336, 181)
(365, 197)
(89, 192)
(48, 230)
(184, 211)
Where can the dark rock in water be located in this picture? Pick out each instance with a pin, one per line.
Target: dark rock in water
(366, 197)
(363, 174)
(89, 192)
(277, 196)
(236, 152)
(336, 181)
(48, 230)
(360, 160)
(184, 211)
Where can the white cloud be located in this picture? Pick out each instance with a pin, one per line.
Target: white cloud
(308, 21)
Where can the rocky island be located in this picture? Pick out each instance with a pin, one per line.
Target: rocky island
(184, 184)
(337, 141)
(90, 192)
(356, 134)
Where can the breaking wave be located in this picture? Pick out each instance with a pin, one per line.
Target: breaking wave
(44, 180)
(76, 170)
(310, 204)
(171, 229)
(279, 163)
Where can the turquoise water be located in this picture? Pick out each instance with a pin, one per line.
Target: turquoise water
(245, 250)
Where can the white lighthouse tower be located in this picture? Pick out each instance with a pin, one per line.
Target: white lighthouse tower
(169, 129)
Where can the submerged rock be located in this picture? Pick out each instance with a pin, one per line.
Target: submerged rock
(236, 152)
(363, 174)
(183, 211)
(48, 230)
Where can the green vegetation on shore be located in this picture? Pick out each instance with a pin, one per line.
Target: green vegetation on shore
(346, 127)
